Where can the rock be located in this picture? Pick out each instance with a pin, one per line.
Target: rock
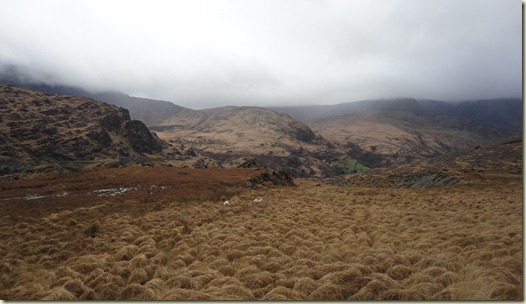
(277, 178)
(141, 139)
(250, 163)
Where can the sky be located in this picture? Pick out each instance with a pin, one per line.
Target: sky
(202, 54)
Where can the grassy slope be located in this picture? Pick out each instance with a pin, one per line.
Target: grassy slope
(329, 243)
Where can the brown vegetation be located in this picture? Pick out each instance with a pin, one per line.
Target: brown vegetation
(305, 243)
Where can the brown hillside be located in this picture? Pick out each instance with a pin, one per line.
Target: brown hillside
(232, 134)
(395, 137)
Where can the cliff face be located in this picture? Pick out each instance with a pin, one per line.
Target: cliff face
(40, 127)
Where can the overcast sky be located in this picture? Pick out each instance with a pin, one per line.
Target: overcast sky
(269, 52)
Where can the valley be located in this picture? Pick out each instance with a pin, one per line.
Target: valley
(315, 141)
(261, 151)
(248, 203)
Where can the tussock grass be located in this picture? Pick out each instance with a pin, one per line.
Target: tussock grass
(281, 293)
(136, 292)
(319, 243)
(257, 280)
(328, 291)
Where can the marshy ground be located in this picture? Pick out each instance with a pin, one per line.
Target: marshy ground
(307, 242)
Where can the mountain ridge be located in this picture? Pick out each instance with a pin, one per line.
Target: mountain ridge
(310, 140)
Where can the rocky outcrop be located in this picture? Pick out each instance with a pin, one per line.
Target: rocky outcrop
(39, 127)
(141, 139)
(266, 177)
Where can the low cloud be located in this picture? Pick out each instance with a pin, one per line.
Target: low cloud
(210, 53)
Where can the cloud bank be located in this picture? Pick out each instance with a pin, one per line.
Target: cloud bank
(268, 52)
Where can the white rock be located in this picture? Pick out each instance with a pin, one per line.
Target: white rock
(226, 203)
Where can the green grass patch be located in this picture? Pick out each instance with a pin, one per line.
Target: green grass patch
(349, 166)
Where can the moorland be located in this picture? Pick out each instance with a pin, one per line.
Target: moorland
(246, 203)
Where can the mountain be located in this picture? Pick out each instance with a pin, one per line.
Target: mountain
(351, 136)
(43, 128)
(383, 132)
(232, 135)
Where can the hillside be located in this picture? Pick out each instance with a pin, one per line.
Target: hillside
(384, 132)
(382, 139)
(50, 129)
(352, 136)
(503, 111)
(233, 134)
(468, 166)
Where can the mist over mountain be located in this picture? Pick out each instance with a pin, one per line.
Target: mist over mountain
(151, 112)
(506, 111)
(384, 132)
(375, 133)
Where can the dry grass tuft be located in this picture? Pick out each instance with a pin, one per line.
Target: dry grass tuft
(179, 294)
(257, 280)
(139, 261)
(401, 294)
(106, 285)
(136, 292)
(86, 263)
(506, 291)
(126, 253)
(328, 291)
(227, 270)
(281, 293)
(234, 291)
(59, 294)
(75, 287)
(183, 282)
(399, 272)
(160, 259)
(138, 276)
(305, 286)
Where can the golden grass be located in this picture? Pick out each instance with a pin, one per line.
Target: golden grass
(317, 243)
